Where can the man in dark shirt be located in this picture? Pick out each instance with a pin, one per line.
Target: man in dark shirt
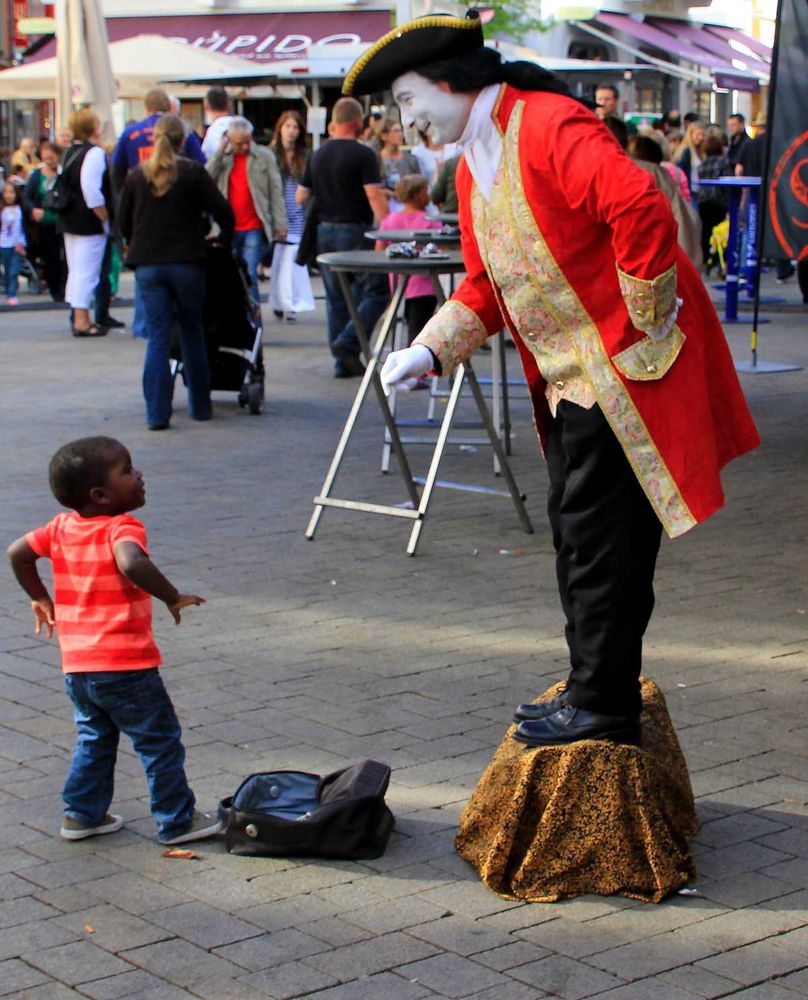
(751, 158)
(344, 179)
(738, 137)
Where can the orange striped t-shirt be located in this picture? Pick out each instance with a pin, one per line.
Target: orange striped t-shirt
(103, 620)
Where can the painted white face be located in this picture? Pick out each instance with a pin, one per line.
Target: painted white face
(430, 108)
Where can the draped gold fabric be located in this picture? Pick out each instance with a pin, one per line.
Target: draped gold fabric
(592, 817)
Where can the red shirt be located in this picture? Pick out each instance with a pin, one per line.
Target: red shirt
(103, 620)
(238, 194)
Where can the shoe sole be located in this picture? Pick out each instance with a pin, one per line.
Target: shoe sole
(624, 737)
(95, 832)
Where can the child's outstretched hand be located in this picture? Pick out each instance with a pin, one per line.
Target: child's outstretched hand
(185, 601)
(43, 615)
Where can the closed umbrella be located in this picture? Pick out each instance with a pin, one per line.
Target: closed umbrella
(84, 76)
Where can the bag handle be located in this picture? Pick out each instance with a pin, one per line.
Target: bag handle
(68, 161)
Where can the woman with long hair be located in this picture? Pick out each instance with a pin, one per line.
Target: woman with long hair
(164, 213)
(290, 291)
(395, 163)
(85, 224)
(689, 156)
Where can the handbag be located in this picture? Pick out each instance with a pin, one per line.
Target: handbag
(307, 249)
(300, 814)
(61, 197)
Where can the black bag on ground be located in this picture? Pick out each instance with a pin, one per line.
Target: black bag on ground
(299, 814)
(61, 196)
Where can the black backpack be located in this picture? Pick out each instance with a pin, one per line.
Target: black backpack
(61, 196)
(299, 814)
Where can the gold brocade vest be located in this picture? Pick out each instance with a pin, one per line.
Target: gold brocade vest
(525, 293)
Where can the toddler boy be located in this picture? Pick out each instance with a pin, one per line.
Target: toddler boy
(103, 584)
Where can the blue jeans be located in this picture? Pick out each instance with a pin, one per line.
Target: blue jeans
(110, 702)
(249, 245)
(139, 325)
(168, 290)
(12, 265)
(371, 292)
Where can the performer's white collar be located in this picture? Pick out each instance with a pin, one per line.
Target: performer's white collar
(481, 141)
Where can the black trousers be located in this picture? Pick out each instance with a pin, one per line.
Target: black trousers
(52, 253)
(606, 536)
(417, 312)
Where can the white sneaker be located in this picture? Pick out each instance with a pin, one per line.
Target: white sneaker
(75, 829)
(202, 826)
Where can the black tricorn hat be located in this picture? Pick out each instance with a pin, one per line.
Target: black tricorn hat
(417, 43)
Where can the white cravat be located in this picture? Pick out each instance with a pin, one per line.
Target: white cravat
(481, 141)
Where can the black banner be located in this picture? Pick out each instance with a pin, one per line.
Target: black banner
(787, 208)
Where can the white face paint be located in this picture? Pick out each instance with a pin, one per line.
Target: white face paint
(431, 109)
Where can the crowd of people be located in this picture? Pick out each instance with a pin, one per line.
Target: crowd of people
(139, 203)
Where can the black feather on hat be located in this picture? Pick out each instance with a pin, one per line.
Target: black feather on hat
(417, 43)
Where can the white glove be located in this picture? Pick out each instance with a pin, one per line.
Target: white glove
(664, 328)
(402, 369)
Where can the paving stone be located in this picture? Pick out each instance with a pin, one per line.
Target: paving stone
(127, 984)
(202, 925)
(381, 918)
(181, 963)
(452, 975)
(508, 956)
(460, 936)
(134, 894)
(648, 989)
(336, 931)
(564, 977)
(47, 991)
(368, 957)
(16, 975)
(78, 962)
(755, 963)
(16, 941)
(268, 950)
(384, 986)
(294, 979)
(698, 980)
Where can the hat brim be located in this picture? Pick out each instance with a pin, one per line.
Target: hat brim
(408, 48)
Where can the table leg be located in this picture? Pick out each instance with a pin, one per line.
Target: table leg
(371, 376)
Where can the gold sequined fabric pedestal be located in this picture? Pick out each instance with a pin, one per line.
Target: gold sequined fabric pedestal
(592, 817)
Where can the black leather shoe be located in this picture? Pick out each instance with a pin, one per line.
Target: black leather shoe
(531, 711)
(348, 360)
(570, 724)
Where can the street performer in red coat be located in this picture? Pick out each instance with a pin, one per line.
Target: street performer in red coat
(571, 247)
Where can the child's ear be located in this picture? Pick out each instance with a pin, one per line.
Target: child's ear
(99, 495)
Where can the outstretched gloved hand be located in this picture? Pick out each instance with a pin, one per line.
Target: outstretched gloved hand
(402, 368)
(664, 328)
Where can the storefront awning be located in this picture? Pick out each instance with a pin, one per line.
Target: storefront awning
(263, 38)
(701, 38)
(692, 43)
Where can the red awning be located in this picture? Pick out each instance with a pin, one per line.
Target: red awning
(264, 38)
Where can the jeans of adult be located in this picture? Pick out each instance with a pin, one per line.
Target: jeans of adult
(110, 702)
(169, 290)
(12, 265)
(606, 537)
(249, 245)
(371, 292)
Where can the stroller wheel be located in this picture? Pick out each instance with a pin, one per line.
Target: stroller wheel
(255, 397)
(242, 397)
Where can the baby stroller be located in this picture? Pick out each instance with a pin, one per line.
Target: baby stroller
(233, 331)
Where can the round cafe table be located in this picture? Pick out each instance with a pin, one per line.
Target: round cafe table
(344, 263)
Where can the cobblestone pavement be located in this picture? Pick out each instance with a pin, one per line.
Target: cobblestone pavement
(314, 654)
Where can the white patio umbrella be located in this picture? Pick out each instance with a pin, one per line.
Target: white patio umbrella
(84, 73)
